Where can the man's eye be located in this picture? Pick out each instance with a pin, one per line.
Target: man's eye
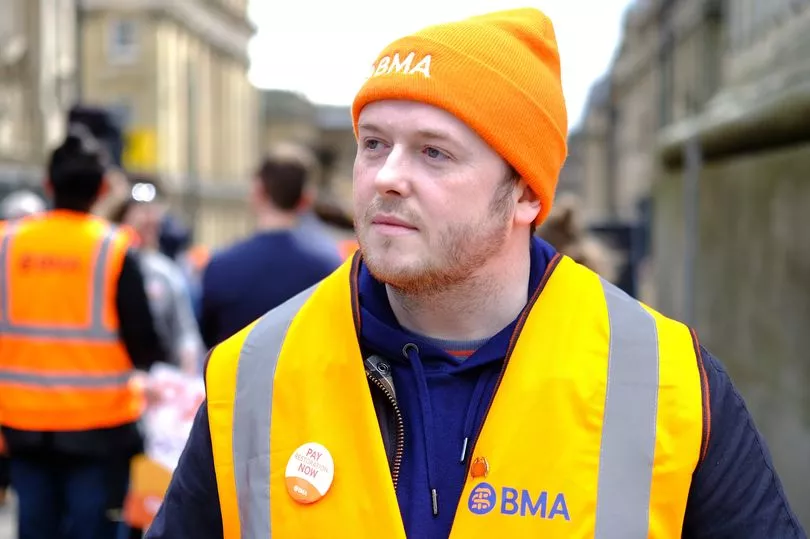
(433, 153)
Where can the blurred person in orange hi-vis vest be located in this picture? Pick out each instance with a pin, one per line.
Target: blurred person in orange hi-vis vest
(75, 325)
(19, 204)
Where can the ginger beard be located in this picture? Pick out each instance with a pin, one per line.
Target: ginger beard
(450, 254)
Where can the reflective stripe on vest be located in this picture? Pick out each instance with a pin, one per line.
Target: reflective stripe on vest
(628, 432)
(628, 436)
(96, 332)
(252, 409)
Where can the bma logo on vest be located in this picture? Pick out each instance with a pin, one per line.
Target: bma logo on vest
(483, 500)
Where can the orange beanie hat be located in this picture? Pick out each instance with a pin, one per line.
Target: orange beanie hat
(500, 74)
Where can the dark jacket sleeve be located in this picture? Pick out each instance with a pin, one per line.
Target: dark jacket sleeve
(137, 325)
(191, 505)
(736, 492)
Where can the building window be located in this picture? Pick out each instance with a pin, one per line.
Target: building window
(122, 41)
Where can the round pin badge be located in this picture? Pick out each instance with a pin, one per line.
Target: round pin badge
(310, 472)
(480, 467)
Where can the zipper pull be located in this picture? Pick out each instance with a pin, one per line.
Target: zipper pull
(434, 496)
(464, 450)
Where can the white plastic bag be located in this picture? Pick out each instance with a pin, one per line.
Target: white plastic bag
(168, 417)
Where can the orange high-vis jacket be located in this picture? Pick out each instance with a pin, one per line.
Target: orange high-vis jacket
(63, 366)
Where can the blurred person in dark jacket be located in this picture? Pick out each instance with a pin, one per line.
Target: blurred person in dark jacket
(278, 261)
(166, 285)
(77, 325)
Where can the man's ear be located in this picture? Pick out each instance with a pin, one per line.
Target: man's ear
(527, 206)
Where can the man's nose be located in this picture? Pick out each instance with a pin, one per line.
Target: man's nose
(395, 176)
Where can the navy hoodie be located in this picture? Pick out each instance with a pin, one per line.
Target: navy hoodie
(443, 389)
(443, 398)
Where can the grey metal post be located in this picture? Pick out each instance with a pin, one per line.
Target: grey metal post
(693, 159)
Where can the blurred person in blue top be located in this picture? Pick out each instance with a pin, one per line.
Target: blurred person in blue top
(279, 260)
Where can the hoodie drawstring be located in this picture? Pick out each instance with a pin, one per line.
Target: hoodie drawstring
(472, 413)
(411, 352)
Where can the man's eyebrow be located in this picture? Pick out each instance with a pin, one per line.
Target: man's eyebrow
(369, 127)
(423, 133)
(434, 134)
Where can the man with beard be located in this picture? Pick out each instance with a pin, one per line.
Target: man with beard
(459, 378)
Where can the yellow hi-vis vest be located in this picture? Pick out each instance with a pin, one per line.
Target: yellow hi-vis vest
(594, 431)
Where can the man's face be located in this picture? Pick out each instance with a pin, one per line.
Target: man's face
(433, 202)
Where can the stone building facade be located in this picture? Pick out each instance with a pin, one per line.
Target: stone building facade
(176, 75)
